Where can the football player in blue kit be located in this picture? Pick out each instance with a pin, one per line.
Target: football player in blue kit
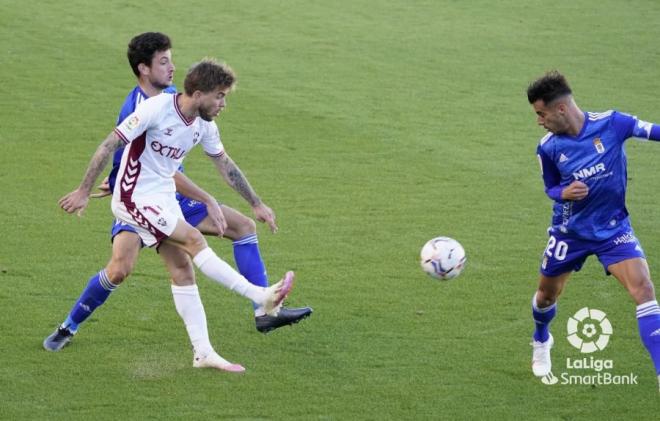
(583, 163)
(149, 55)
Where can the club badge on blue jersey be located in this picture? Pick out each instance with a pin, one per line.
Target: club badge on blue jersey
(599, 145)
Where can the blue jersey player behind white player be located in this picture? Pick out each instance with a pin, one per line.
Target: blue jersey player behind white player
(158, 135)
(583, 163)
(149, 55)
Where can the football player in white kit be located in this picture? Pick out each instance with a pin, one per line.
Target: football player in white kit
(158, 135)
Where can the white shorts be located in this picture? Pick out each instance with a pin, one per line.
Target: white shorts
(153, 217)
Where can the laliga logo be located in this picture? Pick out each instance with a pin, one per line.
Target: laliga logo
(589, 330)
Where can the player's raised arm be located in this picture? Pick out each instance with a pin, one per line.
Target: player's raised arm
(237, 181)
(77, 200)
(645, 130)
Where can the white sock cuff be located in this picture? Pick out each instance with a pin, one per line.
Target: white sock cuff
(248, 239)
(647, 309)
(203, 256)
(185, 290)
(105, 281)
(544, 309)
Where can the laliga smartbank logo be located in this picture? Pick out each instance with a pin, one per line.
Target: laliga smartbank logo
(589, 331)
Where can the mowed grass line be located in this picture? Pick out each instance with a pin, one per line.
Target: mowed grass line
(369, 128)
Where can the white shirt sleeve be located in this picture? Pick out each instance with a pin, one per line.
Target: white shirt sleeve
(142, 119)
(211, 140)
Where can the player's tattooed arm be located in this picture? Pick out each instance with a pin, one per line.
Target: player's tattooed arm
(77, 200)
(235, 178)
(99, 161)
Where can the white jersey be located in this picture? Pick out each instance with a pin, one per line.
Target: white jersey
(158, 136)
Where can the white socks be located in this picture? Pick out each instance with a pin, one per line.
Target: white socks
(218, 270)
(189, 306)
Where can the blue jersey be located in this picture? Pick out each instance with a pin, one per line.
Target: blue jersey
(134, 97)
(596, 156)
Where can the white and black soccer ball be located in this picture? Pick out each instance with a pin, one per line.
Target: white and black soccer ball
(443, 258)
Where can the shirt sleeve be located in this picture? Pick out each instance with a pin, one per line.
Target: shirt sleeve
(627, 125)
(125, 111)
(646, 131)
(211, 140)
(550, 174)
(139, 121)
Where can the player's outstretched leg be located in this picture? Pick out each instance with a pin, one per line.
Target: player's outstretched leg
(648, 320)
(95, 293)
(542, 340)
(251, 265)
(270, 298)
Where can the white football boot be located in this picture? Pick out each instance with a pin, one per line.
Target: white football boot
(541, 363)
(275, 294)
(213, 360)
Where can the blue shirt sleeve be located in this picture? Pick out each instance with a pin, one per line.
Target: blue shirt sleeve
(645, 130)
(623, 124)
(551, 175)
(627, 126)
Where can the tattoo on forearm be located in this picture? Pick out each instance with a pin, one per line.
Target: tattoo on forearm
(98, 162)
(239, 183)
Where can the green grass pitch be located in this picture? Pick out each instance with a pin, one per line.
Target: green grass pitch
(369, 127)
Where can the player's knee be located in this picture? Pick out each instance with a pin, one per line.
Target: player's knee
(245, 226)
(545, 298)
(643, 292)
(118, 271)
(195, 242)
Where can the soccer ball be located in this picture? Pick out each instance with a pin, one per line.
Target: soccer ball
(443, 258)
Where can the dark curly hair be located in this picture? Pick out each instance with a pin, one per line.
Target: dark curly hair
(549, 87)
(143, 47)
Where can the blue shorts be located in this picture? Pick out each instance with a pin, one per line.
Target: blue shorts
(193, 212)
(566, 254)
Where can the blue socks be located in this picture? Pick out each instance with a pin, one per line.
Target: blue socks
(95, 293)
(542, 319)
(248, 260)
(648, 320)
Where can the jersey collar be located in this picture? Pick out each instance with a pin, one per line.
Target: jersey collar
(178, 111)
